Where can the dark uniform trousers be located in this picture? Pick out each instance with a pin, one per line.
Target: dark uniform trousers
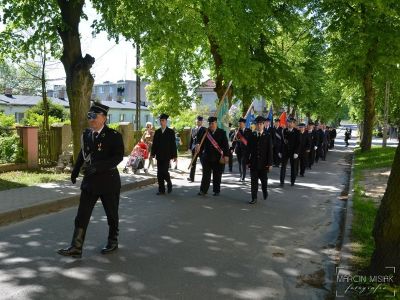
(256, 175)
(87, 202)
(216, 169)
(291, 147)
(242, 164)
(196, 135)
(293, 168)
(193, 167)
(164, 149)
(163, 175)
(303, 161)
(210, 160)
(311, 157)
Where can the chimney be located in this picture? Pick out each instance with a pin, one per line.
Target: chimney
(8, 92)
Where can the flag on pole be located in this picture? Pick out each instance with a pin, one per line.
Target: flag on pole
(250, 116)
(283, 119)
(271, 116)
(223, 113)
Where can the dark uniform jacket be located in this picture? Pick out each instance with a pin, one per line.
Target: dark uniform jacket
(291, 142)
(321, 137)
(194, 134)
(208, 151)
(305, 143)
(259, 150)
(314, 138)
(240, 147)
(332, 134)
(106, 152)
(164, 145)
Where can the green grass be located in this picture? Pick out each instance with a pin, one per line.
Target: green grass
(17, 179)
(364, 209)
(377, 157)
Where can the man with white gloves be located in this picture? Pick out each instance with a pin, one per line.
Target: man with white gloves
(290, 151)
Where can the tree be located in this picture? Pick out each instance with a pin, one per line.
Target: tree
(179, 39)
(387, 225)
(20, 78)
(363, 39)
(52, 22)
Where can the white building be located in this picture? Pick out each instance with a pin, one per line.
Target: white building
(17, 105)
(209, 98)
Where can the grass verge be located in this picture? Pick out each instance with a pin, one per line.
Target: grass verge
(17, 179)
(364, 210)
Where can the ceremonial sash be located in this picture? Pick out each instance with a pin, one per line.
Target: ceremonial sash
(277, 134)
(214, 143)
(242, 138)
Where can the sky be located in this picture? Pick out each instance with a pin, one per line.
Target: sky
(113, 61)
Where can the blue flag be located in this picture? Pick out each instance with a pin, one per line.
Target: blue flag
(250, 117)
(271, 116)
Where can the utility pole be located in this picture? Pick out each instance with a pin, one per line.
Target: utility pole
(137, 87)
(386, 114)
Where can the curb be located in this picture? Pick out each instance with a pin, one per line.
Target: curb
(344, 266)
(57, 205)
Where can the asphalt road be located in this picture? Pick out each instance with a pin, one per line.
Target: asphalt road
(183, 246)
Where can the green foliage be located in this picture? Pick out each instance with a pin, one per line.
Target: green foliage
(113, 125)
(55, 110)
(10, 149)
(34, 119)
(235, 40)
(187, 118)
(23, 79)
(6, 123)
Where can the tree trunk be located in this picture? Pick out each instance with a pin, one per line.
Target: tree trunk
(369, 111)
(79, 80)
(220, 87)
(44, 95)
(387, 225)
(246, 101)
(368, 85)
(386, 115)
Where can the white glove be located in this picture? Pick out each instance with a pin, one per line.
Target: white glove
(295, 156)
(279, 155)
(315, 147)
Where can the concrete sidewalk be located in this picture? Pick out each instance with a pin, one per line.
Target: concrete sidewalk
(26, 202)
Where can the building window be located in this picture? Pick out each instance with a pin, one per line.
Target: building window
(147, 118)
(120, 91)
(18, 117)
(109, 118)
(122, 117)
(101, 89)
(111, 90)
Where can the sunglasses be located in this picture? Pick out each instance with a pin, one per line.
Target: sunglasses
(91, 115)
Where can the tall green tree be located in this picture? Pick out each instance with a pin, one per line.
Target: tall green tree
(179, 39)
(53, 23)
(363, 38)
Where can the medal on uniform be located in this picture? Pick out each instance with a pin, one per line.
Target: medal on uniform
(99, 147)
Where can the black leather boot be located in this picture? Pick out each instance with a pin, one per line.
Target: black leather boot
(112, 244)
(75, 250)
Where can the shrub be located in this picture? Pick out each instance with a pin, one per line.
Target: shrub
(34, 119)
(10, 149)
(6, 122)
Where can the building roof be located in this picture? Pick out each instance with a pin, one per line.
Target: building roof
(27, 100)
(24, 100)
